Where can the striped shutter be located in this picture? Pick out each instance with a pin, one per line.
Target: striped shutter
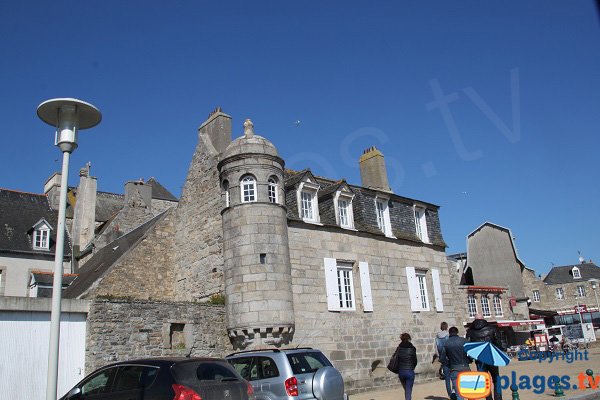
(365, 285)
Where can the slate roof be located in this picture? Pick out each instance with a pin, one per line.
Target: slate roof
(105, 258)
(159, 192)
(365, 219)
(19, 212)
(563, 274)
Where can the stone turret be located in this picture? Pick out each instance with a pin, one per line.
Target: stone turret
(257, 269)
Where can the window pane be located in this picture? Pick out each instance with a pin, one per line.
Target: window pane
(344, 277)
(272, 190)
(248, 189)
(380, 215)
(307, 206)
(485, 306)
(97, 383)
(472, 304)
(423, 291)
(418, 224)
(343, 211)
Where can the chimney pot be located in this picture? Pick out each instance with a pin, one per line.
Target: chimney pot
(373, 173)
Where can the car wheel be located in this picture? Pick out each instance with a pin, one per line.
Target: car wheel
(328, 384)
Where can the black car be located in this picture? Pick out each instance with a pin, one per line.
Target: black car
(164, 379)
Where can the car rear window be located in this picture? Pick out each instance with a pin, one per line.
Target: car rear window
(203, 371)
(304, 363)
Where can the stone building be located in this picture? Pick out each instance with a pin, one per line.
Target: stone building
(273, 257)
(491, 282)
(567, 294)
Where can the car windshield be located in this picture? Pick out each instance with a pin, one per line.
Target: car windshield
(308, 362)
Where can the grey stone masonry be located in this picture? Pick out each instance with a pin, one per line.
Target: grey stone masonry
(360, 343)
(125, 330)
(199, 238)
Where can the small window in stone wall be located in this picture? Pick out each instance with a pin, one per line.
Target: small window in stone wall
(176, 336)
(263, 258)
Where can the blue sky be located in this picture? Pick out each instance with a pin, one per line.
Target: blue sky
(515, 141)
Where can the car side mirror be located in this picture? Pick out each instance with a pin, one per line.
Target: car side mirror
(74, 394)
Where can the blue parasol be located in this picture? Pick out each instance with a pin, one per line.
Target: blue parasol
(486, 353)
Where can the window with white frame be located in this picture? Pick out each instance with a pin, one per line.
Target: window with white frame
(307, 201)
(383, 216)
(343, 206)
(41, 238)
(225, 186)
(421, 224)
(345, 285)
(272, 190)
(472, 305)
(580, 291)
(560, 294)
(485, 305)
(339, 282)
(248, 192)
(497, 306)
(536, 296)
(576, 273)
(422, 280)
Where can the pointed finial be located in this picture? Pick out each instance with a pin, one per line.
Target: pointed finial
(248, 128)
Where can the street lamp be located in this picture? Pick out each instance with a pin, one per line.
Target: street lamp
(68, 116)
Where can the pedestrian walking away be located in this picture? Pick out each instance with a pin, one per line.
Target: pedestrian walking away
(407, 361)
(453, 354)
(481, 331)
(440, 339)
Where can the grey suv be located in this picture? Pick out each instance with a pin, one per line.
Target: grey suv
(301, 373)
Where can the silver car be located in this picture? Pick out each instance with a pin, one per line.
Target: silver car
(302, 373)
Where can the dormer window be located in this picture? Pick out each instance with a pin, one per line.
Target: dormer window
(421, 224)
(308, 204)
(383, 216)
(41, 235)
(343, 209)
(576, 273)
(248, 189)
(272, 190)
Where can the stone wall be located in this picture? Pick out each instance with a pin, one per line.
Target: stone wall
(361, 343)
(146, 271)
(199, 233)
(124, 330)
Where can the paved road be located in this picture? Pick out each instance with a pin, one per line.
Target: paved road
(523, 372)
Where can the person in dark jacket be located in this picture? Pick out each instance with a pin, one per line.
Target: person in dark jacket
(440, 340)
(454, 356)
(407, 361)
(482, 331)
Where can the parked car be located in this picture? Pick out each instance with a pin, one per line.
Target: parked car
(302, 373)
(164, 379)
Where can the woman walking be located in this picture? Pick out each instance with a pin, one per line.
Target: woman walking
(407, 361)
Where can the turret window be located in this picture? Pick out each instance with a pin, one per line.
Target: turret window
(272, 190)
(226, 193)
(248, 192)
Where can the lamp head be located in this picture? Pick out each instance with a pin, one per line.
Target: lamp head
(68, 116)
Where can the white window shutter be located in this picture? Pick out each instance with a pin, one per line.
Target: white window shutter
(365, 285)
(437, 290)
(424, 228)
(413, 289)
(333, 296)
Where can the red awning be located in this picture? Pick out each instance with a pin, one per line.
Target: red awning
(486, 289)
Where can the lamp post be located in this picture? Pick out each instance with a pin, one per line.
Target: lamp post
(68, 116)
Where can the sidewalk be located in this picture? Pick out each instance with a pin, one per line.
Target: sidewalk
(436, 390)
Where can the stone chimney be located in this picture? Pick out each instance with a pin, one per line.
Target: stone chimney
(138, 194)
(372, 170)
(52, 189)
(84, 215)
(217, 130)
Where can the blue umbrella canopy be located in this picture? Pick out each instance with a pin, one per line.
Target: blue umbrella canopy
(486, 353)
